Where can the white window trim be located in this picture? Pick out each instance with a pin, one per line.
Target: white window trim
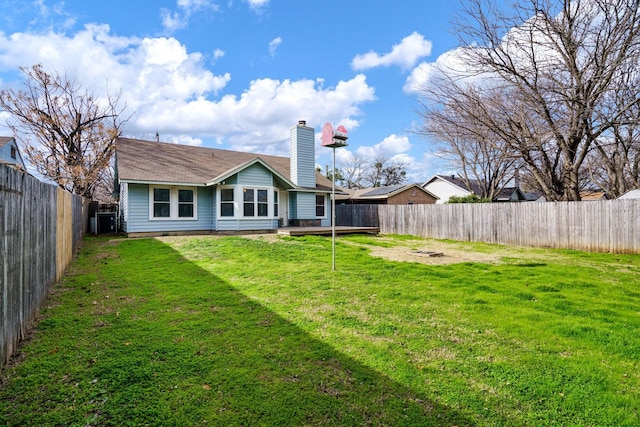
(173, 203)
(219, 202)
(269, 202)
(325, 205)
(238, 202)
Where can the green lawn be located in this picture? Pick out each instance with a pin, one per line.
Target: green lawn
(239, 331)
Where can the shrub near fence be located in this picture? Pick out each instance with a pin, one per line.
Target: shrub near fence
(40, 229)
(598, 226)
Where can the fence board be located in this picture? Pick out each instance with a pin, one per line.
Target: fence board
(597, 226)
(40, 228)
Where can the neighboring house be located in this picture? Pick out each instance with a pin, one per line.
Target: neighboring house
(631, 194)
(401, 194)
(10, 153)
(446, 186)
(167, 188)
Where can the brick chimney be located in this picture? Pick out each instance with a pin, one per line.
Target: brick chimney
(302, 144)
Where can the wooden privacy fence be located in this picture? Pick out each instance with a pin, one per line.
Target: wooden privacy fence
(41, 226)
(597, 226)
(357, 215)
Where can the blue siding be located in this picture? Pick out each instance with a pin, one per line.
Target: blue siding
(255, 175)
(135, 206)
(303, 170)
(138, 212)
(306, 206)
(247, 224)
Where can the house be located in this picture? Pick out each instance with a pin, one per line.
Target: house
(169, 188)
(446, 186)
(401, 194)
(10, 153)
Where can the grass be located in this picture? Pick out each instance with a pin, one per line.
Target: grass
(238, 331)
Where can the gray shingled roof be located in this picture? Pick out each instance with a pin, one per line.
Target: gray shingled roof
(378, 192)
(383, 191)
(475, 187)
(151, 161)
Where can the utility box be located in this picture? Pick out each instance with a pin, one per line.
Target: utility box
(106, 222)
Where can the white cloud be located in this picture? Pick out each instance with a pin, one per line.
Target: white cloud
(173, 20)
(273, 45)
(171, 90)
(257, 5)
(389, 147)
(185, 140)
(218, 53)
(259, 119)
(451, 64)
(404, 54)
(395, 148)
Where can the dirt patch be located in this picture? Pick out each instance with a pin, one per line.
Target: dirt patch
(420, 251)
(432, 253)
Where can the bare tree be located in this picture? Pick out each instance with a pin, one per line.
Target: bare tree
(555, 69)
(478, 153)
(68, 134)
(352, 171)
(614, 164)
(383, 172)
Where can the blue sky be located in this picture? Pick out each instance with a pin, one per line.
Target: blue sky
(237, 74)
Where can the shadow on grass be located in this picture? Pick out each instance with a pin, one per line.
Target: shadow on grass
(156, 340)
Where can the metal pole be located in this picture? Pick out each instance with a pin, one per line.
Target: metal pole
(333, 212)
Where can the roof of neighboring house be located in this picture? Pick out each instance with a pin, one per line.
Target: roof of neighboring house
(380, 192)
(535, 196)
(593, 195)
(475, 188)
(4, 140)
(503, 195)
(506, 193)
(631, 194)
(151, 161)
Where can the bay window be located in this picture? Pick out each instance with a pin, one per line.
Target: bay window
(255, 202)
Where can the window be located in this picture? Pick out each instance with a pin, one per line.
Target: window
(14, 152)
(172, 203)
(185, 203)
(248, 199)
(320, 208)
(263, 203)
(226, 202)
(161, 203)
(275, 203)
(255, 202)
